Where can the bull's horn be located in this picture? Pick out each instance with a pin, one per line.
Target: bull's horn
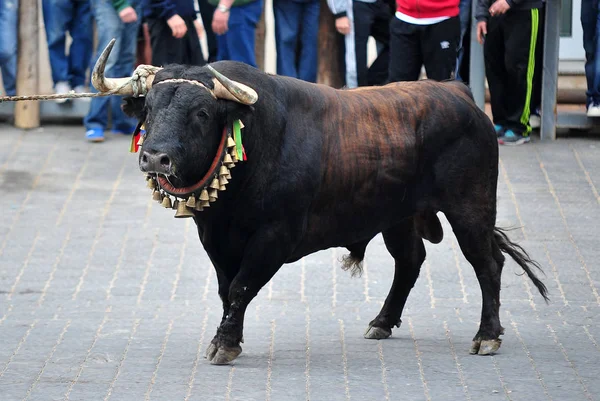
(123, 86)
(226, 88)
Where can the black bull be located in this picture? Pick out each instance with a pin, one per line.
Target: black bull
(332, 168)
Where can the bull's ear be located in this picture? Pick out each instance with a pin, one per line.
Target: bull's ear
(238, 111)
(134, 107)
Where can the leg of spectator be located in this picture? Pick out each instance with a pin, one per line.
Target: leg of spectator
(206, 12)
(8, 45)
(121, 123)
(520, 32)
(405, 51)
(191, 49)
(495, 70)
(166, 49)
(109, 26)
(380, 30)
(364, 16)
(57, 15)
(80, 53)
(240, 37)
(307, 69)
(287, 14)
(465, 19)
(440, 42)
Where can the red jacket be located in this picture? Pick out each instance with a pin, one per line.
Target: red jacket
(428, 8)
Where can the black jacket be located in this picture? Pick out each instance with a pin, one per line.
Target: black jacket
(482, 11)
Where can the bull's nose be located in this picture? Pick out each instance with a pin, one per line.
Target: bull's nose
(152, 162)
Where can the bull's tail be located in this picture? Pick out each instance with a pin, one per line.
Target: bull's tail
(522, 258)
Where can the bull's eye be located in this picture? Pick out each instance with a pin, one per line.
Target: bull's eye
(203, 113)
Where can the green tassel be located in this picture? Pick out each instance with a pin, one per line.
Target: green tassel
(237, 135)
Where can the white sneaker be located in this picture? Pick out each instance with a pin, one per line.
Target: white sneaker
(593, 110)
(81, 89)
(62, 88)
(535, 121)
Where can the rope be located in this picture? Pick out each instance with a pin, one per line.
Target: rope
(138, 82)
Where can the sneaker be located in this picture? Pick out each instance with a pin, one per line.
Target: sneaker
(95, 135)
(62, 88)
(81, 89)
(535, 121)
(499, 130)
(512, 138)
(593, 110)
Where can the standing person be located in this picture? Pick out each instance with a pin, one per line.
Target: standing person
(173, 35)
(510, 30)
(357, 20)
(424, 32)
(297, 26)
(234, 22)
(8, 45)
(206, 13)
(118, 19)
(590, 17)
(462, 62)
(73, 16)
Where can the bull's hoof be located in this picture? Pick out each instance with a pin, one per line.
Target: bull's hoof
(377, 333)
(220, 354)
(224, 355)
(485, 347)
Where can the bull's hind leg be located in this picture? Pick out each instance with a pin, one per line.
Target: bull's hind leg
(477, 243)
(408, 251)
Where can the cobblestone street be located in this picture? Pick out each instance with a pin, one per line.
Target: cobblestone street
(105, 296)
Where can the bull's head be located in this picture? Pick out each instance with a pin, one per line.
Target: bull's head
(184, 114)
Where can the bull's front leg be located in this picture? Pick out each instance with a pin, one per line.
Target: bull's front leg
(264, 256)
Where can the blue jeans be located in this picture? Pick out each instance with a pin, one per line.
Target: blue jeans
(238, 42)
(590, 22)
(8, 45)
(75, 17)
(297, 21)
(121, 63)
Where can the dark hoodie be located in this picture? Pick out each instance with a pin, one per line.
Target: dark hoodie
(482, 12)
(168, 8)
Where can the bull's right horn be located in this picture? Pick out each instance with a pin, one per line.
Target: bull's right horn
(121, 86)
(226, 88)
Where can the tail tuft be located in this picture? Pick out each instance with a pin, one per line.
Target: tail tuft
(353, 263)
(522, 258)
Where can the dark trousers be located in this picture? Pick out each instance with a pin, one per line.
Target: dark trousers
(412, 46)
(590, 22)
(166, 49)
(371, 19)
(206, 12)
(296, 38)
(509, 53)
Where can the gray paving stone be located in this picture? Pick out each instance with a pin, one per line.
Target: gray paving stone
(103, 295)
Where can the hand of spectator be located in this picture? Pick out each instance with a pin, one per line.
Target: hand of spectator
(342, 25)
(128, 15)
(199, 27)
(499, 7)
(220, 22)
(177, 25)
(481, 31)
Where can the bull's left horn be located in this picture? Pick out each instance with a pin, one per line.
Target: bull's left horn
(121, 86)
(226, 88)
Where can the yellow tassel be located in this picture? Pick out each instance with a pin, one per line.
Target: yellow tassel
(191, 202)
(204, 195)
